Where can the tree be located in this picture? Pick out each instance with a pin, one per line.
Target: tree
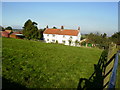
(115, 38)
(104, 35)
(83, 43)
(83, 37)
(54, 27)
(2, 28)
(100, 40)
(30, 30)
(40, 35)
(91, 38)
(8, 28)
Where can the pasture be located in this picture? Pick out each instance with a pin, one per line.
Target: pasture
(35, 64)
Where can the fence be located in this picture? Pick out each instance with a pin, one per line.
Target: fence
(104, 75)
(114, 73)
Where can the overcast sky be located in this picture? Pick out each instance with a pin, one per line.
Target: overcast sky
(90, 16)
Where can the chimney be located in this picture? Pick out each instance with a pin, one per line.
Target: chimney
(62, 27)
(46, 26)
(78, 28)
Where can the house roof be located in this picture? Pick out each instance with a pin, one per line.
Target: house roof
(61, 32)
(4, 33)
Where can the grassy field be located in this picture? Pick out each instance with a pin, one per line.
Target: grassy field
(35, 64)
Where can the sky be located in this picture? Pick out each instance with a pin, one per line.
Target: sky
(60, 0)
(99, 17)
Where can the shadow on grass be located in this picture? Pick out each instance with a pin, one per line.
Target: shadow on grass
(8, 85)
(96, 79)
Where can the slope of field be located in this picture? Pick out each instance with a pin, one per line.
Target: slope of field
(35, 64)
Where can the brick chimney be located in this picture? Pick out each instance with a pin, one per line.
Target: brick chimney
(62, 27)
(78, 28)
(46, 26)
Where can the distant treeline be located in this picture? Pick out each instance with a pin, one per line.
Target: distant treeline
(101, 40)
(31, 31)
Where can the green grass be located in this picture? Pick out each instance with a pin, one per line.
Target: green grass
(41, 65)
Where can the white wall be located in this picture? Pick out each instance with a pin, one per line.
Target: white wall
(60, 38)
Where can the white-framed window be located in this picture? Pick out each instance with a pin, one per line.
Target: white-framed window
(63, 41)
(70, 37)
(48, 35)
(63, 36)
(53, 35)
(53, 40)
(47, 39)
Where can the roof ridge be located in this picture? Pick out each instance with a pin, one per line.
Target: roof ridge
(61, 31)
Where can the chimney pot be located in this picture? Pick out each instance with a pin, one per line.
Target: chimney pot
(62, 27)
(47, 26)
(78, 28)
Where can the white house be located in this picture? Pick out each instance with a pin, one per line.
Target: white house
(63, 36)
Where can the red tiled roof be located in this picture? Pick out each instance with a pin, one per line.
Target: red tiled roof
(5, 34)
(61, 32)
(52, 31)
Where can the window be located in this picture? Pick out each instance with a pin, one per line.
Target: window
(47, 39)
(53, 40)
(63, 36)
(63, 41)
(53, 35)
(70, 37)
(48, 35)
